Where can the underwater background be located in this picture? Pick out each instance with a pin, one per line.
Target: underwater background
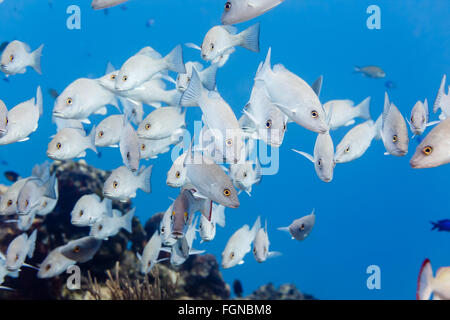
(377, 209)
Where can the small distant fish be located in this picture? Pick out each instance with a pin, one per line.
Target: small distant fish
(433, 150)
(129, 146)
(442, 100)
(143, 66)
(323, 157)
(394, 131)
(150, 149)
(293, 96)
(150, 254)
(21, 247)
(261, 246)
(438, 286)
(90, 209)
(81, 250)
(301, 228)
(17, 56)
(109, 130)
(150, 23)
(109, 226)
(176, 176)
(343, 112)
(165, 228)
(54, 264)
(441, 225)
(356, 142)
(419, 121)
(220, 42)
(239, 245)
(207, 229)
(237, 11)
(11, 176)
(237, 288)
(245, 175)
(390, 84)
(122, 184)
(103, 4)
(161, 123)
(70, 143)
(8, 200)
(371, 72)
(207, 76)
(23, 120)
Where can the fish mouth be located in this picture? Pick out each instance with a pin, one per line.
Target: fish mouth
(177, 235)
(51, 156)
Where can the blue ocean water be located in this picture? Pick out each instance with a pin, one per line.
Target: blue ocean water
(377, 209)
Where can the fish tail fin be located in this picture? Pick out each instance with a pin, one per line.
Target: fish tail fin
(377, 128)
(175, 97)
(145, 177)
(127, 220)
(286, 229)
(209, 77)
(174, 60)
(108, 206)
(191, 96)
(39, 101)
(273, 254)
(424, 283)
(250, 38)
(49, 187)
(435, 225)
(91, 140)
(440, 94)
(32, 244)
(364, 109)
(265, 69)
(357, 69)
(255, 228)
(219, 215)
(36, 59)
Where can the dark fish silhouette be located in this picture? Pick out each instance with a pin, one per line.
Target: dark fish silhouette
(11, 176)
(390, 84)
(53, 93)
(441, 225)
(237, 288)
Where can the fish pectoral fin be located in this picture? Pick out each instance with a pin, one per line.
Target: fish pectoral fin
(241, 262)
(432, 123)
(387, 154)
(24, 139)
(114, 146)
(306, 155)
(82, 154)
(165, 249)
(349, 123)
(85, 121)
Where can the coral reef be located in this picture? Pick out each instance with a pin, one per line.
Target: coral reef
(113, 273)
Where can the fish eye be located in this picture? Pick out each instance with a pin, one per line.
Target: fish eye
(232, 255)
(69, 101)
(143, 146)
(58, 145)
(48, 267)
(395, 138)
(212, 46)
(148, 126)
(284, 126)
(128, 156)
(347, 150)
(100, 227)
(125, 78)
(302, 227)
(319, 163)
(115, 184)
(185, 216)
(269, 124)
(101, 134)
(6, 120)
(11, 58)
(26, 203)
(245, 174)
(76, 249)
(226, 192)
(228, 6)
(314, 114)
(163, 230)
(81, 213)
(427, 150)
(254, 250)
(189, 78)
(113, 77)
(9, 203)
(177, 174)
(412, 118)
(173, 213)
(44, 204)
(229, 142)
(16, 258)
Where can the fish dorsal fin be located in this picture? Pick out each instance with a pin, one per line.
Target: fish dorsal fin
(440, 94)
(317, 86)
(386, 108)
(230, 29)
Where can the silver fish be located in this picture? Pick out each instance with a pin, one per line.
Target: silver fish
(207, 229)
(394, 131)
(344, 112)
(30, 196)
(261, 246)
(150, 149)
(183, 210)
(103, 4)
(356, 142)
(239, 245)
(144, 65)
(293, 96)
(245, 175)
(89, 209)
(176, 176)
(8, 200)
(129, 147)
(161, 123)
(71, 143)
(419, 119)
(81, 250)
(428, 285)
(237, 11)
(150, 254)
(23, 120)
(301, 228)
(221, 41)
(433, 151)
(165, 227)
(109, 226)
(442, 100)
(218, 116)
(109, 130)
(122, 184)
(19, 249)
(3, 119)
(54, 264)
(371, 72)
(207, 76)
(323, 157)
(17, 56)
